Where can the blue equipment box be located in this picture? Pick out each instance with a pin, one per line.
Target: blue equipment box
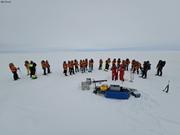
(116, 94)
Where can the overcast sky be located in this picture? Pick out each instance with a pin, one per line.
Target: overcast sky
(71, 24)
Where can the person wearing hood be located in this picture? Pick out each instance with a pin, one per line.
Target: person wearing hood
(14, 71)
(32, 68)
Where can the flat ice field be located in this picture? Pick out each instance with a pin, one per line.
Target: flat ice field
(56, 105)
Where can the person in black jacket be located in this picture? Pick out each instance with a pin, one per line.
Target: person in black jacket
(100, 64)
(146, 67)
(32, 68)
(106, 65)
(159, 67)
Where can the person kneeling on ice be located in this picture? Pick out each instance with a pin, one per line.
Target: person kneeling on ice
(114, 72)
(14, 71)
(32, 68)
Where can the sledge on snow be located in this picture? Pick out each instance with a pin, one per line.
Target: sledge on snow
(110, 91)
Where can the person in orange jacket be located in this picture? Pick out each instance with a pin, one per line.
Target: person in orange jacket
(14, 71)
(84, 64)
(81, 66)
(65, 67)
(76, 66)
(133, 65)
(43, 64)
(121, 74)
(114, 72)
(71, 67)
(47, 66)
(137, 66)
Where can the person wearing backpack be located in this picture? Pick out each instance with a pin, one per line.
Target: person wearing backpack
(32, 68)
(159, 67)
(146, 67)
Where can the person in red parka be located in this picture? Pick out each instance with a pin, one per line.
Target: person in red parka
(121, 74)
(114, 72)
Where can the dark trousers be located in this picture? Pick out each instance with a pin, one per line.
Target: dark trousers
(100, 66)
(32, 72)
(71, 71)
(144, 74)
(107, 66)
(76, 69)
(127, 67)
(65, 72)
(15, 76)
(159, 71)
(48, 70)
(44, 70)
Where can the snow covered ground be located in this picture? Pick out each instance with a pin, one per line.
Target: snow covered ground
(56, 105)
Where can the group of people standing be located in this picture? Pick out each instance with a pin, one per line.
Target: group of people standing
(73, 66)
(30, 69)
(45, 66)
(119, 67)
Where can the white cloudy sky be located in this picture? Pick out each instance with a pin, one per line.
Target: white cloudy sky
(89, 24)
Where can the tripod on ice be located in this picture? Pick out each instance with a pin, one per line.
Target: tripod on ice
(166, 88)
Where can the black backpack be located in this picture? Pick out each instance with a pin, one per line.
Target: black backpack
(149, 66)
(163, 63)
